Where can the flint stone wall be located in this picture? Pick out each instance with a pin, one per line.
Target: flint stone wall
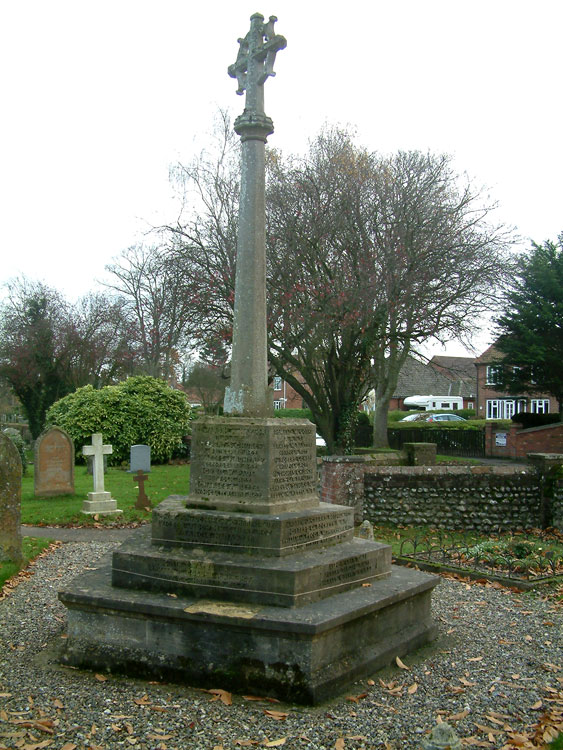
(482, 498)
(477, 498)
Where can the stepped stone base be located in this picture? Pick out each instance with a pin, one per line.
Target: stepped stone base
(249, 582)
(100, 502)
(287, 582)
(301, 654)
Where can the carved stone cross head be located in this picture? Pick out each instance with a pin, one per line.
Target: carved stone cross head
(256, 56)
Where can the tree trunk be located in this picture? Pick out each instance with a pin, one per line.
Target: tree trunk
(380, 439)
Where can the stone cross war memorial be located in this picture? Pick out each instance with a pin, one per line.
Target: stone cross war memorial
(273, 592)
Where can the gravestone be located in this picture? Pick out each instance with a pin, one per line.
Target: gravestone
(140, 458)
(99, 501)
(54, 463)
(272, 591)
(10, 501)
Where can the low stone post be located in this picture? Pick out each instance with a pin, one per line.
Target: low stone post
(443, 737)
(420, 454)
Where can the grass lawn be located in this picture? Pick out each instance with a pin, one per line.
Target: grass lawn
(31, 548)
(65, 510)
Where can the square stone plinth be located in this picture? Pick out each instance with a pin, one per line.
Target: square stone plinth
(303, 654)
(253, 465)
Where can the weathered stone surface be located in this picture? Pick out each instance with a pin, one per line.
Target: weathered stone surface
(10, 501)
(420, 454)
(301, 654)
(253, 465)
(54, 463)
(174, 524)
(291, 581)
(443, 737)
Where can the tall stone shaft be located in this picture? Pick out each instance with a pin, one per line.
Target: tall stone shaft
(248, 394)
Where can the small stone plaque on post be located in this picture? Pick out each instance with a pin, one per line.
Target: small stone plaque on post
(54, 463)
(10, 501)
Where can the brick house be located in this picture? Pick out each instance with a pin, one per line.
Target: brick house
(493, 403)
(285, 397)
(441, 376)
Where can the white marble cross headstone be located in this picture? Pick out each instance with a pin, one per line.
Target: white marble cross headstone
(98, 451)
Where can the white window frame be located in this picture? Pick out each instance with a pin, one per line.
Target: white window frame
(539, 405)
(504, 408)
(491, 375)
(277, 383)
(278, 404)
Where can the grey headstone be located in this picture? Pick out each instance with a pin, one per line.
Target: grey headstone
(140, 458)
(10, 501)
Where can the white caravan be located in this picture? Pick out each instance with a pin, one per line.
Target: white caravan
(431, 403)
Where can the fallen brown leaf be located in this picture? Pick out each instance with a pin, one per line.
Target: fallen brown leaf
(412, 688)
(221, 695)
(276, 743)
(277, 715)
(339, 744)
(458, 717)
(356, 698)
(100, 677)
(400, 664)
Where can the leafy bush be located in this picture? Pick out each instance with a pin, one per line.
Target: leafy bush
(529, 419)
(141, 410)
(17, 439)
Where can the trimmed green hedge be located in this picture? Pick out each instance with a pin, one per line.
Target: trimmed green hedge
(529, 419)
(141, 410)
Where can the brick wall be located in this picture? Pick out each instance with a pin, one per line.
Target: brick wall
(514, 442)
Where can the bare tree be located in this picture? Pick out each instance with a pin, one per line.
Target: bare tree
(368, 257)
(155, 299)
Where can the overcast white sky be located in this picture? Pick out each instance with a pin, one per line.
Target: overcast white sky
(99, 98)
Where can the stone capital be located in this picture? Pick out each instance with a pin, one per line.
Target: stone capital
(253, 126)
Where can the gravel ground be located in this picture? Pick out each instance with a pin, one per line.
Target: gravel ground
(493, 672)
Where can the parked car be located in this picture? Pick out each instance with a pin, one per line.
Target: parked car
(445, 418)
(421, 416)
